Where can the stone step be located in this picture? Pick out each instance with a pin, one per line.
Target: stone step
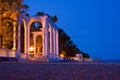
(8, 59)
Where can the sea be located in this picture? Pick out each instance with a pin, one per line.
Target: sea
(114, 61)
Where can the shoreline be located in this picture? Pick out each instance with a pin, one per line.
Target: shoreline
(45, 62)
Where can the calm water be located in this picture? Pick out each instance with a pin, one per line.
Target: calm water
(115, 61)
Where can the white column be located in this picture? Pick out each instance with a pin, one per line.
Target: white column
(28, 40)
(19, 39)
(34, 39)
(57, 42)
(43, 42)
(14, 36)
(26, 29)
(51, 40)
(54, 41)
(46, 42)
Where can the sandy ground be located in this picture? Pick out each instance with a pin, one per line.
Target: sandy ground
(59, 71)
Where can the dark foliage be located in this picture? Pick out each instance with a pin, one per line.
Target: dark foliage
(85, 55)
(54, 18)
(67, 47)
(40, 13)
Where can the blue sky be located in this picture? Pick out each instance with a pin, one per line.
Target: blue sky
(93, 25)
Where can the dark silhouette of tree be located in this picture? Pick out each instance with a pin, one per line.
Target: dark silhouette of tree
(67, 47)
(54, 18)
(24, 8)
(27, 14)
(85, 55)
(40, 13)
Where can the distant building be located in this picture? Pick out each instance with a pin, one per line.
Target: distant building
(78, 57)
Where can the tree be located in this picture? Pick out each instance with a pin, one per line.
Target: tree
(53, 18)
(85, 55)
(11, 8)
(7, 27)
(9, 13)
(40, 13)
(67, 47)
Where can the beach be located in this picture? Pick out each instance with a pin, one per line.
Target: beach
(59, 71)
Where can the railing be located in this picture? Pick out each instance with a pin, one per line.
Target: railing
(7, 53)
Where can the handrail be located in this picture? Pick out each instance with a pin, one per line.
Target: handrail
(7, 53)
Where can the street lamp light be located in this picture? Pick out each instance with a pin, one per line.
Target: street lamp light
(31, 49)
(62, 55)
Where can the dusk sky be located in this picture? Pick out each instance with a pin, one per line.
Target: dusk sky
(93, 25)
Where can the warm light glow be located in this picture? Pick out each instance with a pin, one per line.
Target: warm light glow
(31, 49)
(62, 55)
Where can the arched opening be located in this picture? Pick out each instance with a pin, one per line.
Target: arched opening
(6, 35)
(39, 45)
(22, 36)
(36, 26)
(36, 38)
(48, 42)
